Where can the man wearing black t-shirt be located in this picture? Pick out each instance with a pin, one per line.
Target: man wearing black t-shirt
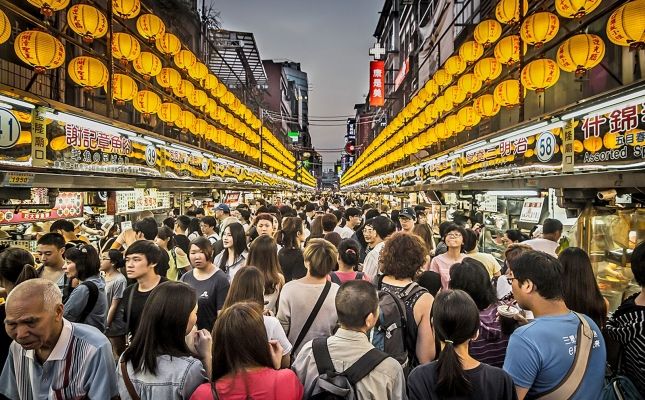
(140, 260)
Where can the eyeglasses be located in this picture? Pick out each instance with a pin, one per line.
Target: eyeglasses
(453, 235)
(510, 280)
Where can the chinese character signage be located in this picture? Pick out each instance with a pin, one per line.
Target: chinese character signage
(377, 83)
(68, 205)
(532, 210)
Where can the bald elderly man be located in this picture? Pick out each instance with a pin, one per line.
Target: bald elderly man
(50, 357)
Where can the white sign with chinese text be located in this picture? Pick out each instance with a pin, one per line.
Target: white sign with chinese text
(532, 210)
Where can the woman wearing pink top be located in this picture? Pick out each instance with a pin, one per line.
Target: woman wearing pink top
(441, 264)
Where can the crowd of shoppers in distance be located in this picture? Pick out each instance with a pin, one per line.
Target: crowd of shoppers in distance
(292, 300)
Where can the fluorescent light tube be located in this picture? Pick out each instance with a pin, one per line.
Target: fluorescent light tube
(606, 104)
(473, 146)
(5, 106)
(88, 123)
(513, 193)
(519, 132)
(154, 140)
(16, 102)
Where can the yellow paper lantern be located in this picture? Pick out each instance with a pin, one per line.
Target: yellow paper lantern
(592, 144)
(507, 50)
(87, 21)
(123, 88)
(468, 117)
(125, 47)
(39, 50)
(169, 113)
(210, 106)
(453, 125)
(487, 69)
(150, 27)
(575, 8)
(487, 32)
(507, 93)
(469, 84)
(540, 74)
(610, 140)
(219, 91)
(211, 133)
(455, 95)
(5, 27)
(48, 7)
(442, 104)
(185, 59)
(210, 82)
(168, 78)
(539, 28)
(185, 89)
(168, 44)
(147, 64)
(455, 65)
(126, 9)
(146, 102)
(88, 72)
(486, 106)
(626, 25)
(198, 98)
(471, 51)
(228, 98)
(198, 71)
(580, 53)
(186, 120)
(508, 11)
(199, 127)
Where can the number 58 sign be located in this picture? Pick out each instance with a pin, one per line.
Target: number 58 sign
(545, 146)
(9, 129)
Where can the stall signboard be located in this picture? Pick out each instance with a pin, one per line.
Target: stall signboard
(532, 210)
(489, 203)
(232, 198)
(67, 205)
(141, 200)
(377, 83)
(183, 164)
(615, 136)
(15, 137)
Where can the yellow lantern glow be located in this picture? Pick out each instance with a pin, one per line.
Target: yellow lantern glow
(220, 90)
(185, 59)
(198, 71)
(5, 27)
(539, 28)
(150, 27)
(575, 8)
(468, 117)
(168, 78)
(486, 106)
(455, 65)
(442, 105)
(147, 64)
(626, 25)
(185, 89)
(210, 106)
(228, 98)
(198, 98)
(169, 113)
(441, 131)
(199, 127)
(125, 47)
(48, 7)
(211, 133)
(540, 74)
(126, 9)
(453, 125)
(508, 11)
(87, 21)
(507, 93)
(146, 102)
(39, 50)
(507, 50)
(471, 51)
(210, 82)
(88, 72)
(487, 32)
(185, 121)
(580, 53)
(168, 44)
(455, 95)
(469, 84)
(487, 69)
(123, 88)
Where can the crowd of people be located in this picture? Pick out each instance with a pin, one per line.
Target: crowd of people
(311, 298)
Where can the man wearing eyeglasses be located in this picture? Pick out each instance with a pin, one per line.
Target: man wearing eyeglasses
(376, 231)
(407, 218)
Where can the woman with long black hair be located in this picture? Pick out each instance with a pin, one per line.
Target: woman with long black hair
(235, 252)
(455, 374)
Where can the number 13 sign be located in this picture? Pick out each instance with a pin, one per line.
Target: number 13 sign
(9, 129)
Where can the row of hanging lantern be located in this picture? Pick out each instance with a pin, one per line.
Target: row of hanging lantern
(43, 52)
(420, 123)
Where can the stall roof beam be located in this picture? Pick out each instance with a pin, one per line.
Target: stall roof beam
(235, 59)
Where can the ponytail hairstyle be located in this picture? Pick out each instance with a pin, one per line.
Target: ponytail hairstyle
(455, 320)
(17, 265)
(287, 236)
(165, 233)
(348, 251)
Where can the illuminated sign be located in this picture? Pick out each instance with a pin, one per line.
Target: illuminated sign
(377, 83)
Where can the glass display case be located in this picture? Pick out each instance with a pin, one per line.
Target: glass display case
(609, 236)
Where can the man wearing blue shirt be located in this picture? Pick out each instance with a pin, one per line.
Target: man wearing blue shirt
(50, 357)
(540, 354)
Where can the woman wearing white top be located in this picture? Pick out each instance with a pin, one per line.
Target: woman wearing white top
(235, 252)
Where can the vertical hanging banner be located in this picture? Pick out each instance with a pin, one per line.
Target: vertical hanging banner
(377, 86)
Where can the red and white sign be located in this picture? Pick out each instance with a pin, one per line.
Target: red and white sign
(79, 136)
(377, 83)
(400, 76)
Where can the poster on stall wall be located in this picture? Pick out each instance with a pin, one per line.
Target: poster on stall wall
(532, 210)
(616, 136)
(67, 205)
(141, 200)
(232, 198)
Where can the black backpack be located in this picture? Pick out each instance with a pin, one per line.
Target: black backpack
(334, 278)
(331, 385)
(394, 331)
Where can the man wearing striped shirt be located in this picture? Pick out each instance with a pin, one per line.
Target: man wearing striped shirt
(50, 357)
